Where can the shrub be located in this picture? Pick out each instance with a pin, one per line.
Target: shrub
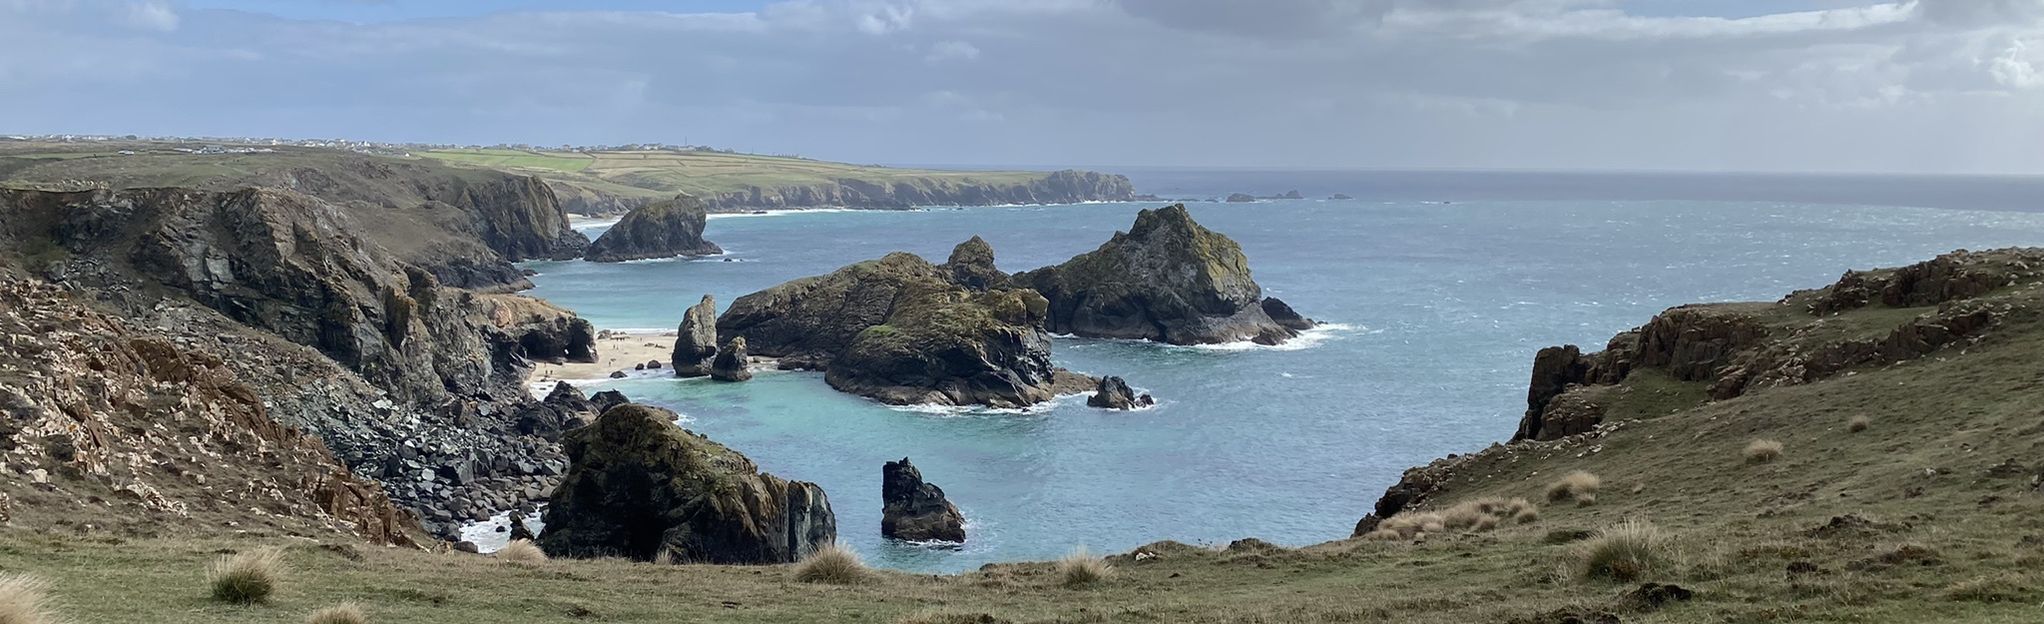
(1762, 451)
(1859, 423)
(344, 613)
(1579, 485)
(522, 551)
(247, 577)
(833, 564)
(1081, 569)
(1624, 553)
(25, 600)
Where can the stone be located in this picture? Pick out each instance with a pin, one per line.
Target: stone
(1113, 393)
(696, 342)
(1286, 316)
(603, 401)
(664, 229)
(730, 364)
(640, 487)
(914, 510)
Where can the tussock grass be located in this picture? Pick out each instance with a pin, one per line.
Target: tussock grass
(25, 600)
(2002, 587)
(522, 551)
(833, 564)
(1082, 569)
(1578, 485)
(344, 613)
(247, 577)
(1859, 423)
(1483, 514)
(1762, 451)
(1624, 552)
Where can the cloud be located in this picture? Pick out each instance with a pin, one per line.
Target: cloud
(1945, 85)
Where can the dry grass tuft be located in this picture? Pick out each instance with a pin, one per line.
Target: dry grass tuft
(25, 600)
(1762, 451)
(949, 617)
(344, 613)
(2005, 587)
(1479, 515)
(248, 577)
(1859, 423)
(1624, 553)
(833, 564)
(1579, 485)
(1082, 569)
(522, 551)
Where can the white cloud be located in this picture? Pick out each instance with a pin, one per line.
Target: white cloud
(151, 15)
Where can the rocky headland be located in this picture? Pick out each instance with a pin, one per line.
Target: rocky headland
(663, 229)
(1060, 187)
(1166, 279)
(640, 487)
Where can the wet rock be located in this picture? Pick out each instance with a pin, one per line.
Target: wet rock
(1284, 315)
(914, 510)
(1113, 393)
(730, 364)
(695, 345)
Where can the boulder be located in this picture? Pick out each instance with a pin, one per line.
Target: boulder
(730, 364)
(1285, 316)
(696, 344)
(914, 510)
(639, 486)
(1167, 279)
(1113, 393)
(603, 401)
(563, 409)
(518, 529)
(902, 331)
(658, 230)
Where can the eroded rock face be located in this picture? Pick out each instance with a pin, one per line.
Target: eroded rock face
(696, 342)
(1167, 279)
(659, 230)
(972, 265)
(1113, 393)
(914, 510)
(899, 330)
(730, 364)
(639, 486)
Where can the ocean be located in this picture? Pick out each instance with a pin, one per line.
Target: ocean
(1436, 295)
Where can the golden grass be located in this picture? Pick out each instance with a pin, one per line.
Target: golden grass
(522, 551)
(1624, 552)
(1483, 514)
(1082, 569)
(1762, 451)
(344, 613)
(833, 564)
(1580, 485)
(25, 600)
(247, 577)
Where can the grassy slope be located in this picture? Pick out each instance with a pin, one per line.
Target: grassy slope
(1923, 470)
(664, 173)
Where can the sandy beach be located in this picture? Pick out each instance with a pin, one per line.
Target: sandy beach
(615, 351)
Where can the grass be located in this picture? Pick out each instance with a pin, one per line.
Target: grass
(1484, 514)
(1580, 486)
(1859, 424)
(1081, 569)
(247, 577)
(1626, 552)
(25, 600)
(833, 564)
(344, 613)
(521, 551)
(518, 159)
(1762, 451)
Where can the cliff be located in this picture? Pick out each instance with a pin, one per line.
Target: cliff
(658, 230)
(1061, 187)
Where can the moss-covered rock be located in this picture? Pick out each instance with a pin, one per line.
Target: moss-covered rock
(658, 230)
(1166, 279)
(639, 486)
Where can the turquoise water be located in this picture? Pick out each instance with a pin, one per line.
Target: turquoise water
(1437, 311)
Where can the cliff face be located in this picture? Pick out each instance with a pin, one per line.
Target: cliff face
(660, 230)
(1062, 187)
(641, 487)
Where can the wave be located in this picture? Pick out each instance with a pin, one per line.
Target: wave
(486, 536)
(782, 212)
(1307, 339)
(937, 409)
(582, 225)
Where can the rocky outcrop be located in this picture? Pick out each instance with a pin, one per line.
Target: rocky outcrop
(897, 192)
(641, 487)
(534, 330)
(972, 265)
(1167, 279)
(1113, 393)
(659, 230)
(1285, 316)
(696, 342)
(583, 200)
(731, 363)
(916, 511)
(607, 399)
(900, 330)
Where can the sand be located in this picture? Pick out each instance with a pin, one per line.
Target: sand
(615, 351)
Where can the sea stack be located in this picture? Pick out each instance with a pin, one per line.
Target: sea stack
(730, 362)
(914, 510)
(639, 486)
(1167, 279)
(658, 230)
(696, 344)
(1114, 393)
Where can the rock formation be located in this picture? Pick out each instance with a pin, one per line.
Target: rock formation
(914, 510)
(1061, 187)
(639, 486)
(1114, 393)
(731, 364)
(696, 342)
(658, 230)
(1167, 279)
(972, 265)
(1285, 316)
(900, 330)
(1240, 198)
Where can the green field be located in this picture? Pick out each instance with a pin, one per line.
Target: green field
(568, 162)
(661, 174)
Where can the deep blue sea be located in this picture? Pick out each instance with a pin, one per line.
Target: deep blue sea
(1435, 307)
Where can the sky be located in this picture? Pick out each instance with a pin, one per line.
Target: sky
(1924, 86)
